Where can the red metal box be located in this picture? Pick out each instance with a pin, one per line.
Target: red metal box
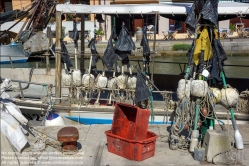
(131, 149)
(130, 122)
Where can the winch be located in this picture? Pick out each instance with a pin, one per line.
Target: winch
(68, 136)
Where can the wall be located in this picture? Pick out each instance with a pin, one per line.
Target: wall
(163, 25)
(20, 4)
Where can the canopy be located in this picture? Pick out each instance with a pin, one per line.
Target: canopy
(177, 11)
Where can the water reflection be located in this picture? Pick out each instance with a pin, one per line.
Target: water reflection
(162, 68)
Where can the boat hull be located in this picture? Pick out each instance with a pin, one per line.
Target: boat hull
(12, 53)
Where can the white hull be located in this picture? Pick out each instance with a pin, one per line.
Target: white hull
(13, 52)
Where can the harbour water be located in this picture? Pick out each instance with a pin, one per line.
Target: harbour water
(163, 68)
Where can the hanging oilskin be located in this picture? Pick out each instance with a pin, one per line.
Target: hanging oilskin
(202, 43)
(142, 91)
(124, 44)
(109, 57)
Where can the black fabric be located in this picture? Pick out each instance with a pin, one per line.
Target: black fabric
(75, 35)
(124, 42)
(94, 52)
(126, 61)
(99, 18)
(220, 52)
(191, 18)
(122, 54)
(209, 11)
(109, 57)
(65, 56)
(190, 53)
(145, 44)
(142, 91)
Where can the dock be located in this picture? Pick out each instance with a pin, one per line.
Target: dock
(93, 150)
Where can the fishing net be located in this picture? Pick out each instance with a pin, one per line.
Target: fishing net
(243, 102)
(109, 54)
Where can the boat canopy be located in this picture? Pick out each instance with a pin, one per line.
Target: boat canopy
(177, 11)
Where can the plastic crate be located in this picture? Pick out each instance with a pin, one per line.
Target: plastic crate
(130, 122)
(131, 149)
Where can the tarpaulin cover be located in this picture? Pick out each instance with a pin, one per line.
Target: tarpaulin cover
(75, 35)
(145, 44)
(124, 43)
(142, 91)
(109, 54)
(65, 57)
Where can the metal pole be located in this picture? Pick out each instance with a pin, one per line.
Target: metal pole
(11, 62)
(154, 47)
(58, 58)
(114, 20)
(82, 44)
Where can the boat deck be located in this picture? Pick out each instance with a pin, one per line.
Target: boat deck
(93, 150)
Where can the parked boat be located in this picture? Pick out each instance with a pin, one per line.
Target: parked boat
(13, 53)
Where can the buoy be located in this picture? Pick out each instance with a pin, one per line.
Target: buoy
(76, 75)
(229, 97)
(238, 138)
(54, 119)
(216, 95)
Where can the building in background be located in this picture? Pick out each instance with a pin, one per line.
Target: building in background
(132, 23)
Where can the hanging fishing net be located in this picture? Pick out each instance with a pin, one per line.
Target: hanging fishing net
(243, 102)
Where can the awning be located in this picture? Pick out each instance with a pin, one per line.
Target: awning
(225, 8)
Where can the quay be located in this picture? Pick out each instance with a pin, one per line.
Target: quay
(93, 150)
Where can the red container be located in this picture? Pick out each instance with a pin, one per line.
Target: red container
(131, 149)
(130, 122)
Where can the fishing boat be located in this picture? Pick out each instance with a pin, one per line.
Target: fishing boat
(17, 47)
(13, 52)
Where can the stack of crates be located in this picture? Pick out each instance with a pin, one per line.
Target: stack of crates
(129, 136)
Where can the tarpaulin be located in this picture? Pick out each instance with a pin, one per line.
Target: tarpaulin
(109, 57)
(142, 91)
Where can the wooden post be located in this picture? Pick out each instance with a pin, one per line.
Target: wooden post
(58, 58)
(82, 41)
